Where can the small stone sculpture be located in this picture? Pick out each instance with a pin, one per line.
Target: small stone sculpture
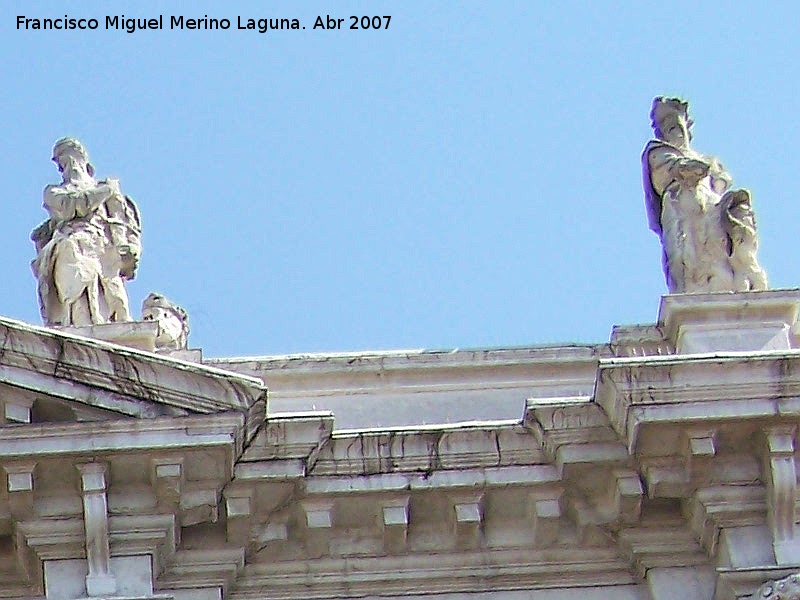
(88, 246)
(787, 588)
(739, 222)
(173, 322)
(708, 232)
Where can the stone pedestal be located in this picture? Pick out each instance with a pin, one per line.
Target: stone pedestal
(101, 585)
(730, 322)
(189, 355)
(134, 334)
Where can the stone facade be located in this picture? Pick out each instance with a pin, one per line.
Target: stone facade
(658, 466)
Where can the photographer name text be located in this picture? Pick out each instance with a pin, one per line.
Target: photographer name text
(179, 22)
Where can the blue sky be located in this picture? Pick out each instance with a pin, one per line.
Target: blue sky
(468, 177)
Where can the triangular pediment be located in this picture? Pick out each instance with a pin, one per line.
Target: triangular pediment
(51, 375)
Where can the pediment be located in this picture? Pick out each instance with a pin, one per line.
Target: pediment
(51, 375)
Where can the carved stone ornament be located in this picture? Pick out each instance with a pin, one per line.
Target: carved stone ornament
(787, 588)
(173, 322)
(708, 231)
(88, 246)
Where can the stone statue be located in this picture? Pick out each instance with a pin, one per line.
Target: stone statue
(708, 232)
(787, 588)
(88, 246)
(739, 222)
(173, 322)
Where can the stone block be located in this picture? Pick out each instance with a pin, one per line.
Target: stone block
(682, 583)
(546, 516)
(737, 322)
(133, 334)
(17, 412)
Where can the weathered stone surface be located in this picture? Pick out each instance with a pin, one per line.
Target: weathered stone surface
(56, 364)
(133, 334)
(418, 387)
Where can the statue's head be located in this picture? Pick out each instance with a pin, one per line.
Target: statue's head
(671, 122)
(69, 146)
(173, 321)
(738, 217)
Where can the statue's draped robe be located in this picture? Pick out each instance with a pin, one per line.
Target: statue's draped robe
(687, 217)
(78, 264)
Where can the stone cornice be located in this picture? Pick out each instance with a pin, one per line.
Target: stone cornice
(415, 359)
(43, 359)
(202, 569)
(435, 573)
(48, 439)
(697, 388)
(437, 480)
(552, 369)
(426, 448)
(620, 465)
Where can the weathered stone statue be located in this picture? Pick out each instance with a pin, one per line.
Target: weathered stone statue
(88, 246)
(173, 322)
(708, 232)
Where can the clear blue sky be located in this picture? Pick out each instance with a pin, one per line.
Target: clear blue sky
(469, 177)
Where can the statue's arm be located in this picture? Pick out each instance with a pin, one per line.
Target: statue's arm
(115, 201)
(64, 204)
(668, 165)
(721, 180)
(690, 170)
(95, 196)
(59, 203)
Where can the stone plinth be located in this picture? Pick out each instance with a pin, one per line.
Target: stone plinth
(720, 322)
(133, 334)
(189, 355)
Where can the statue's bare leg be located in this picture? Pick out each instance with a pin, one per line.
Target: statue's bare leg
(79, 313)
(117, 299)
(75, 277)
(758, 279)
(93, 300)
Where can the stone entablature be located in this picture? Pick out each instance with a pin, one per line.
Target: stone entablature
(415, 387)
(623, 474)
